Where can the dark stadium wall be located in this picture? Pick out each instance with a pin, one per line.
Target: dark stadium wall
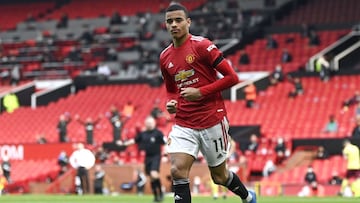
(333, 145)
(53, 95)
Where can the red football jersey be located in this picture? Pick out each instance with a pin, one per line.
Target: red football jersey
(191, 65)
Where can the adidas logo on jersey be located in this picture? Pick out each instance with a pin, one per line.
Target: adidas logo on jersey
(170, 65)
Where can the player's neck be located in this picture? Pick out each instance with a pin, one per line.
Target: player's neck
(180, 41)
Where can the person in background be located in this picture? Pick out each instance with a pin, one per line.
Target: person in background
(11, 102)
(64, 120)
(3, 182)
(286, 57)
(356, 130)
(151, 141)
(244, 58)
(63, 162)
(332, 125)
(102, 182)
(82, 160)
(15, 75)
(254, 143)
(322, 153)
(335, 178)
(140, 181)
(89, 125)
(281, 151)
(128, 109)
(6, 168)
(352, 155)
(277, 75)
(298, 87)
(322, 66)
(271, 43)
(311, 186)
(117, 122)
(250, 95)
(354, 100)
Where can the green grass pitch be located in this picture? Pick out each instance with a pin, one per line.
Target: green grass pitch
(148, 199)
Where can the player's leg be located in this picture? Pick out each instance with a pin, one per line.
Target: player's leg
(183, 147)
(214, 147)
(180, 168)
(155, 177)
(149, 172)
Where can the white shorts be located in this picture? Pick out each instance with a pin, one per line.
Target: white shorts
(213, 142)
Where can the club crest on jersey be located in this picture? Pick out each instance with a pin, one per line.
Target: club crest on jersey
(190, 58)
(184, 75)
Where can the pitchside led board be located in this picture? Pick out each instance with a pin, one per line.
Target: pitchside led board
(33, 151)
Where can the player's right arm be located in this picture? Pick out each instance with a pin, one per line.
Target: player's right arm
(171, 90)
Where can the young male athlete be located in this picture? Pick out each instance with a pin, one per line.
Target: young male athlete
(189, 67)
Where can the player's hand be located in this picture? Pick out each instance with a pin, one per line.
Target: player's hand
(171, 106)
(190, 93)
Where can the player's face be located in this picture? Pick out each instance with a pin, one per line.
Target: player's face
(177, 24)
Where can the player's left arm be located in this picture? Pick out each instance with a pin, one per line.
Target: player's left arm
(216, 60)
(230, 77)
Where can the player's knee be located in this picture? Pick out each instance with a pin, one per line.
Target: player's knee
(219, 179)
(177, 173)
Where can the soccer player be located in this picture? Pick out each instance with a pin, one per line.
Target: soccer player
(151, 140)
(189, 66)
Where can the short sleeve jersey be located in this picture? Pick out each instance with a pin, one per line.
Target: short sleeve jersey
(192, 65)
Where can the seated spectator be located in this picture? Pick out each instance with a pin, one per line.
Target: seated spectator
(74, 55)
(63, 162)
(281, 151)
(103, 70)
(314, 39)
(116, 18)
(311, 183)
(269, 168)
(277, 75)
(355, 99)
(244, 58)
(335, 179)
(63, 22)
(357, 111)
(41, 139)
(286, 57)
(331, 126)
(101, 155)
(271, 43)
(298, 87)
(30, 18)
(111, 55)
(102, 182)
(322, 153)
(254, 143)
(87, 37)
(305, 30)
(356, 130)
